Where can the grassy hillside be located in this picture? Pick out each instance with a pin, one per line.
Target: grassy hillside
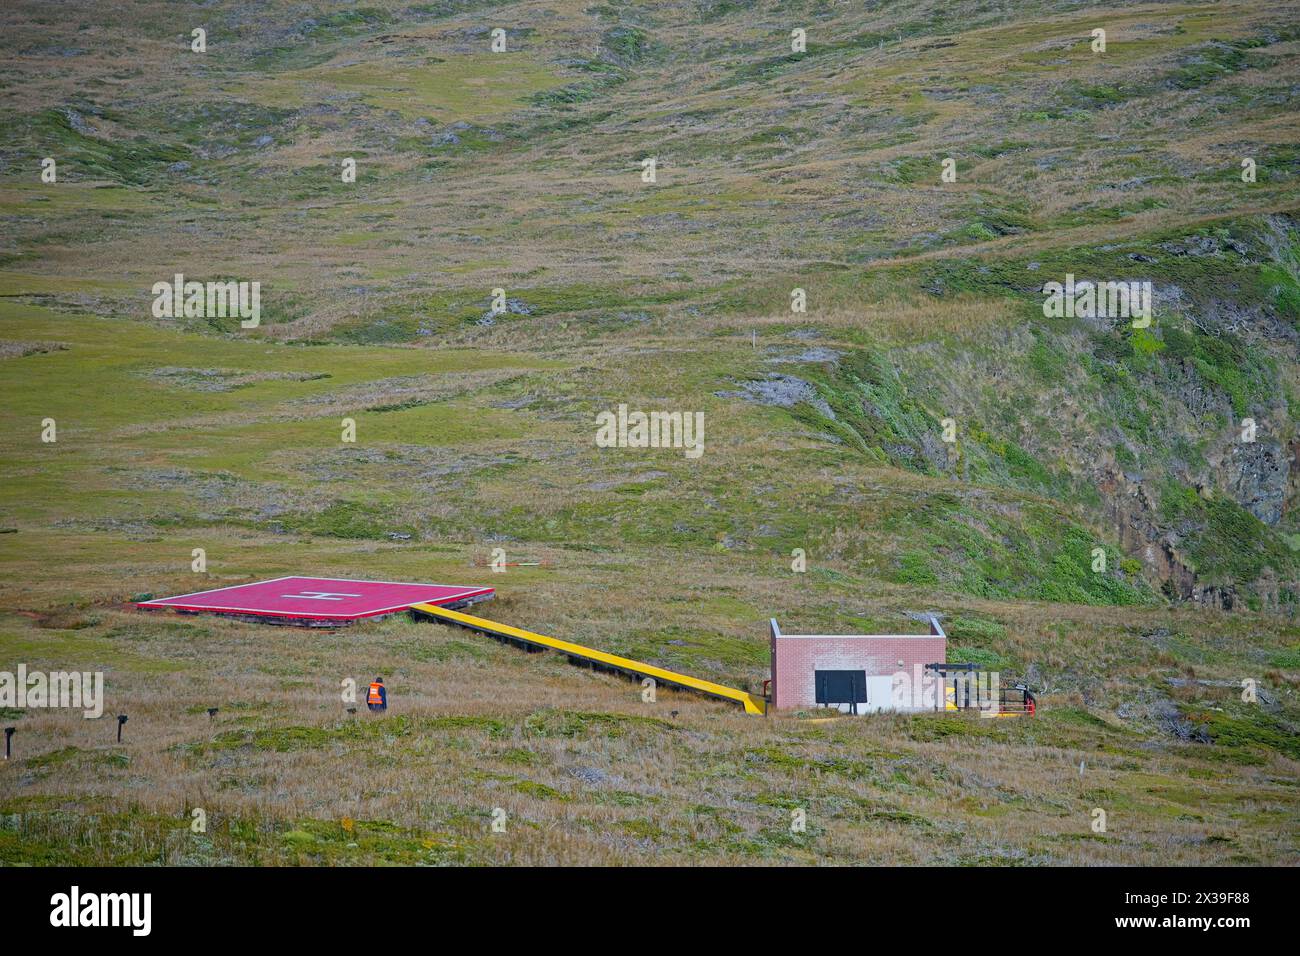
(824, 430)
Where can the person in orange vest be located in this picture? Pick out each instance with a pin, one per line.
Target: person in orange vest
(377, 699)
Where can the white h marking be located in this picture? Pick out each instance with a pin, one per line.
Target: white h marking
(319, 596)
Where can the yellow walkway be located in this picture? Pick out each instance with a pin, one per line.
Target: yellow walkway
(752, 704)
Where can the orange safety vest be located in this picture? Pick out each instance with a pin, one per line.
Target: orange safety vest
(375, 697)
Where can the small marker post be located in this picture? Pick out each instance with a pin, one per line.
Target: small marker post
(121, 719)
(9, 734)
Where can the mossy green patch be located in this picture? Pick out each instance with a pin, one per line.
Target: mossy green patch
(568, 723)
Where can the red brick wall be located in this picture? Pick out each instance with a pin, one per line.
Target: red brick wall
(795, 658)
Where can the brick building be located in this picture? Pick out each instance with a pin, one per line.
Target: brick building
(853, 673)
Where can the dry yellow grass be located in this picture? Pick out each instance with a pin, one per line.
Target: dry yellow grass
(820, 173)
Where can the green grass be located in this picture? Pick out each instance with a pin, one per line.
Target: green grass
(472, 87)
(924, 304)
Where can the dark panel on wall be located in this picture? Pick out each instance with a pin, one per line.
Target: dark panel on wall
(841, 687)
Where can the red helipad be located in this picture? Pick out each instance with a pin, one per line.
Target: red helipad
(326, 600)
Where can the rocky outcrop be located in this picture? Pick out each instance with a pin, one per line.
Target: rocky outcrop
(1258, 476)
(1131, 510)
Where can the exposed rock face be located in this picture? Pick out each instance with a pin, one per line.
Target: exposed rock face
(1258, 476)
(1293, 475)
(785, 391)
(1250, 455)
(1131, 510)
